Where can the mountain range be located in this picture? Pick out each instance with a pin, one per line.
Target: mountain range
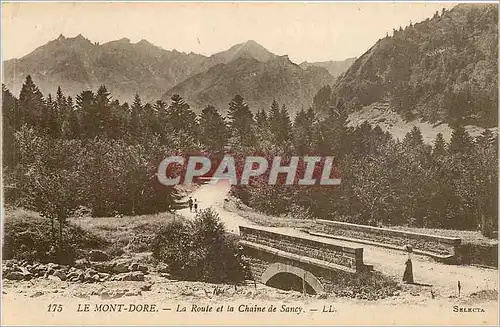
(443, 70)
(128, 68)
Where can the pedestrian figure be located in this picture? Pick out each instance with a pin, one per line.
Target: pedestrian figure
(408, 274)
(190, 203)
(195, 205)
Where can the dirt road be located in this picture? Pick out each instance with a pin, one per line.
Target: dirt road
(213, 196)
(442, 279)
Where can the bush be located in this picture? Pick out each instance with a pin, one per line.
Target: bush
(199, 250)
(27, 236)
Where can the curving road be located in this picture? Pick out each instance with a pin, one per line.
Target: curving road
(443, 279)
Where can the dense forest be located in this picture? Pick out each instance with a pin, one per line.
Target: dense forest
(63, 155)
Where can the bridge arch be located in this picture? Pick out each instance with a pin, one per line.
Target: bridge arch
(277, 268)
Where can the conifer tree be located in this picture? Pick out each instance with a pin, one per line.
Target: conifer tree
(275, 121)
(181, 117)
(439, 148)
(241, 122)
(413, 139)
(261, 118)
(135, 117)
(85, 103)
(31, 104)
(213, 130)
(302, 133)
(103, 111)
(461, 141)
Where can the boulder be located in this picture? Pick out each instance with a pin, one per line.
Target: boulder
(162, 268)
(54, 266)
(98, 255)
(133, 293)
(138, 267)
(27, 275)
(137, 276)
(146, 287)
(82, 264)
(14, 275)
(103, 277)
(54, 278)
(103, 267)
(90, 275)
(73, 276)
(60, 274)
(121, 266)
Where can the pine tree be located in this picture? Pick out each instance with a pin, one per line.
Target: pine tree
(439, 149)
(213, 130)
(31, 104)
(302, 133)
(103, 111)
(275, 121)
(61, 103)
(413, 139)
(486, 139)
(261, 118)
(85, 103)
(135, 117)
(241, 122)
(181, 117)
(330, 132)
(285, 127)
(162, 126)
(11, 123)
(149, 119)
(51, 118)
(71, 127)
(461, 141)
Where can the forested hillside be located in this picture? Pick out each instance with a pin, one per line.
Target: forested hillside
(441, 69)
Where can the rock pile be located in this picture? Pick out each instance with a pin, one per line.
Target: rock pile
(95, 269)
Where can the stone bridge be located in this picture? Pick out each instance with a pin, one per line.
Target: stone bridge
(289, 259)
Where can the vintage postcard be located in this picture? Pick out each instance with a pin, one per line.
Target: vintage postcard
(249, 163)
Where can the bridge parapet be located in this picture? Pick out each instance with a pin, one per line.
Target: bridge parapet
(306, 246)
(438, 247)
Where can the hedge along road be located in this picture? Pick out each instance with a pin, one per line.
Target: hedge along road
(443, 278)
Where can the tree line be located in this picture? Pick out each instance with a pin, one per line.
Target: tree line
(63, 154)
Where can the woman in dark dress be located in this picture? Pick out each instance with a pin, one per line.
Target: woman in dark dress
(408, 274)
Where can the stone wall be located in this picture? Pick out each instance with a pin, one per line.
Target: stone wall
(425, 244)
(259, 261)
(307, 246)
(367, 285)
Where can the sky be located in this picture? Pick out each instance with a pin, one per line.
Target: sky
(305, 32)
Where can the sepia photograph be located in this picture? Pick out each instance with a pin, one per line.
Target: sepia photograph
(249, 163)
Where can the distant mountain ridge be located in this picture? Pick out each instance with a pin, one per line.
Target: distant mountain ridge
(128, 68)
(335, 68)
(125, 68)
(259, 83)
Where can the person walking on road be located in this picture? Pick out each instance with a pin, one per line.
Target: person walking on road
(190, 203)
(195, 205)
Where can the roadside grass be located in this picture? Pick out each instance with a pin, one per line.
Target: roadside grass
(126, 234)
(29, 236)
(236, 206)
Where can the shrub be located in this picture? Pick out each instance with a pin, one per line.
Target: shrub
(27, 236)
(199, 250)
